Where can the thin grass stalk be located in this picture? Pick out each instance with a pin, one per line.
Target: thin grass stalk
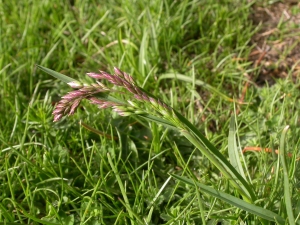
(216, 157)
(216, 162)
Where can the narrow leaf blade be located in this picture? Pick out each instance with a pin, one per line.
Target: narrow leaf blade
(197, 82)
(233, 152)
(287, 186)
(239, 203)
(57, 75)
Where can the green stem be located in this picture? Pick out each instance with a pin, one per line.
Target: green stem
(216, 162)
(216, 157)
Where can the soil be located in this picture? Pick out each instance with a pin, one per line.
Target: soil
(276, 52)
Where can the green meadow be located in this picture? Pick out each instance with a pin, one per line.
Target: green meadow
(97, 167)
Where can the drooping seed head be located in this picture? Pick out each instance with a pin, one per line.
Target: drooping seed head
(70, 102)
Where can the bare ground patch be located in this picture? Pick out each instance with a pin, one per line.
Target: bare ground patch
(277, 44)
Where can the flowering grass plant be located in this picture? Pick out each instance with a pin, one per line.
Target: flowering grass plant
(121, 93)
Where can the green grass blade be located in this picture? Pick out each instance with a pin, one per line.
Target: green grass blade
(8, 223)
(28, 215)
(287, 188)
(122, 188)
(233, 152)
(57, 75)
(239, 203)
(197, 82)
(215, 152)
(5, 213)
(159, 121)
(212, 158)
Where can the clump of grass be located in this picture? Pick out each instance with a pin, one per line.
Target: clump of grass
(137, 101)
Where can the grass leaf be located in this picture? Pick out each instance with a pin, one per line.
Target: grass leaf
(57, 75)
(239, 203)
(197, 82)
(233, 152)
(287, 189)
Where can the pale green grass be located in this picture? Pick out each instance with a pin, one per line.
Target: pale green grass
(61, 173)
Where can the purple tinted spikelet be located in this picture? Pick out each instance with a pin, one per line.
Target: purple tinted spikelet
(63, 108)
(106, 76)
(124, 75)
(59, 108)
(118, 72)
(74, 106)
(95, 75)
(128, 78)
(57, 117)
(116, 80)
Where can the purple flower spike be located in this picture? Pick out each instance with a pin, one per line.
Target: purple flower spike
(124, 75)
(128, 86)
(138, 91)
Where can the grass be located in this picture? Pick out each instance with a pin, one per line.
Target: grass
(192, 55)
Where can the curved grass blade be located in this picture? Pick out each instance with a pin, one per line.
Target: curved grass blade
(233, 152)
(287, 194)
(218, 154)
(218, 163)
(197, 82)
(239, 203)
(23, 211)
